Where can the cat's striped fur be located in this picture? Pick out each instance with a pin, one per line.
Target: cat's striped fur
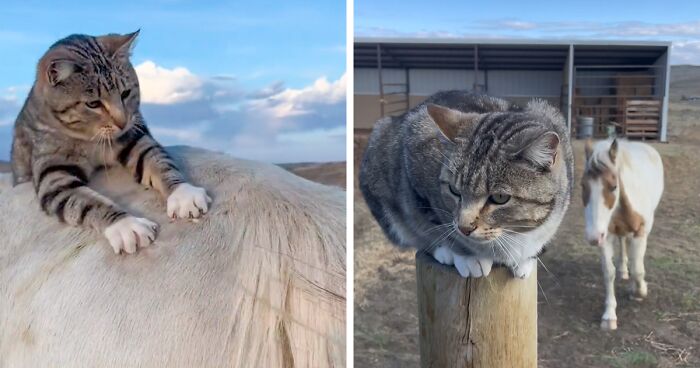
(81, 116)
(471, 179)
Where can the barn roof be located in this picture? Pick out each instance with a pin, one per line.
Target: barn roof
(501, 54)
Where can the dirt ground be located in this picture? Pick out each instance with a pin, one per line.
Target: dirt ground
(661, 331)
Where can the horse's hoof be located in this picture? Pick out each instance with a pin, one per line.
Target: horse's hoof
(639, 292)
(608, 324)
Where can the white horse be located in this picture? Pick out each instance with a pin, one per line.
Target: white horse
(258, 282)
(622, 185)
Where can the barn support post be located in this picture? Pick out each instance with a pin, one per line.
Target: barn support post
(381, 82)
(485, 322)
(570, 86)
(476, 68)
(663, 137)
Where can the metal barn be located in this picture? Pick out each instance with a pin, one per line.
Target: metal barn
(602, 87)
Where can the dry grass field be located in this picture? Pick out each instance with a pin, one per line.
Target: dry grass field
(661, 331)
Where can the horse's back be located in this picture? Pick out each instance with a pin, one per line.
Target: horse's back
(258, 282)
(646, 166)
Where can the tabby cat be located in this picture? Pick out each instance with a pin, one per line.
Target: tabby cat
(471, 179)
(82, 115)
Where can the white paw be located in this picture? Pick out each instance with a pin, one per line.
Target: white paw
(130, 233)
(188, 201)
(469, 266)
(524, 268)
(444, 255)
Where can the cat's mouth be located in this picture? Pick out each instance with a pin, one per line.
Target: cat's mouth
(482, 235)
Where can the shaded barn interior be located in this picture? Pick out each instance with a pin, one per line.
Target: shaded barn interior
(602, 88)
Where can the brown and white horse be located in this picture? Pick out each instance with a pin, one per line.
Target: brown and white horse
(622, 185)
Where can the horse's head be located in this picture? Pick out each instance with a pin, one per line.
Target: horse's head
(600, 191)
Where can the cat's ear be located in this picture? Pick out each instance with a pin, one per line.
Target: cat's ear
(119, 46)
(60, 70)
(450, 121)
(56, 66)
(542, 151)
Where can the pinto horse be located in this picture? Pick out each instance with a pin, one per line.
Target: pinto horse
(622, 184)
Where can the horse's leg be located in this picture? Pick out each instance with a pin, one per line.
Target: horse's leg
(609, 320)
(622, 265)
(637, 250)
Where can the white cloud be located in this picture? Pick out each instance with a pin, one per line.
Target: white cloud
(518, 24)
(295, 102)
(275, 124)
(14, 93)
(184, 135)
(160, 85)
(686, 52)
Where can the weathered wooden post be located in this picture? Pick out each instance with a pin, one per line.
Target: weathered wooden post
(487, 322)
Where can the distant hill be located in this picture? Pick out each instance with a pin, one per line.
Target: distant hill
(329, 173)
(685, 81)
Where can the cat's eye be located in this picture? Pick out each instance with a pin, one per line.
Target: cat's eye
(93, 104)
(613, 188)
(126, 94)
(454, 190)
(499, 198)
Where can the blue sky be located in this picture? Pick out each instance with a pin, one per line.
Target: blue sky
(258, 79)
(677, 21)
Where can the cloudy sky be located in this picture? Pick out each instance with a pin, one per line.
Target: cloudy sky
(668, 20)
(262, 80)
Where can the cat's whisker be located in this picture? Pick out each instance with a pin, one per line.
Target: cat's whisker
(507, 248)
(435, 228)
(522, 227)
(543, 266)
(446, 165)
(439, 239)
(502, 245)
(556, 279)
(543, 293)
(452, 163)
(437, 209)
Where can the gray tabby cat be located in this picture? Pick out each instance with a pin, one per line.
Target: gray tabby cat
(82, 115)
(472, 179)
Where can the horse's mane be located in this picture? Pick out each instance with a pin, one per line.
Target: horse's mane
(599, 161)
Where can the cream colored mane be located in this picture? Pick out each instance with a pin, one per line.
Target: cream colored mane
(259, 282)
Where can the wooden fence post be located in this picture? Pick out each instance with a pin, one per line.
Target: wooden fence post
(487, 322)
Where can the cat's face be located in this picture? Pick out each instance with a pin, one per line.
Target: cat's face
(90, 86)
(502, 182)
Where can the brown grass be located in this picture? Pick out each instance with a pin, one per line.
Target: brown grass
(661, 331)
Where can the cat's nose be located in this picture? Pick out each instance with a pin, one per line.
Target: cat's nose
(119, 119)
(117, 113)
(467, 229)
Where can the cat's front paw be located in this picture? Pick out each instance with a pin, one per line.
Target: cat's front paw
(130, 233)
(444, 255)
(188, 201)
(524, 268)
(470, 266)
